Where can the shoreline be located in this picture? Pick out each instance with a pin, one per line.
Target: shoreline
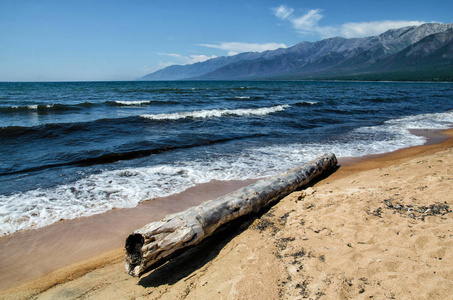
(42, 270)
(437, 140)
(434, 137)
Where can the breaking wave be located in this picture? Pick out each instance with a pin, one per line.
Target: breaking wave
(216, 113)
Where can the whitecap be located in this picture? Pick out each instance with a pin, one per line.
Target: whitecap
(133, 103)
(218, 113)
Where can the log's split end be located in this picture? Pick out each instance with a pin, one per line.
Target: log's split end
(157, 241)
(134, 244)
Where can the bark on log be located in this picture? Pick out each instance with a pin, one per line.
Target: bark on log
(156, 241)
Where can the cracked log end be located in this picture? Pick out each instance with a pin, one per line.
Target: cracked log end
(134, 255)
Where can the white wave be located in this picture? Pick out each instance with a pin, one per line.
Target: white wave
(133, 103)
(30, 107)
(392, 135)
(201, 114)
(308, 103)
(242, 97)
(97, 194)
(425, 121)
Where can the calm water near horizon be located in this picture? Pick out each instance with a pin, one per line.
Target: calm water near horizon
(72, 149)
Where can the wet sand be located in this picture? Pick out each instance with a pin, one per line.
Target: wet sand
(65, 255)
(30, 254)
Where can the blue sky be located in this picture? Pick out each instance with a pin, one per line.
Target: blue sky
(83, 40)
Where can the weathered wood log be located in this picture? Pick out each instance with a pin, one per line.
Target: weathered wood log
(156, 241)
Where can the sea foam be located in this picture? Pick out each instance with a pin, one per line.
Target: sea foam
(133, 103)
(201, 114)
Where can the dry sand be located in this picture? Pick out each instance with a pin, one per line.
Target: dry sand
(378, 228)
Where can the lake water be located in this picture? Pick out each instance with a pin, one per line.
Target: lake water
(72, 149)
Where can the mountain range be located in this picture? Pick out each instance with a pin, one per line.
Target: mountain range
(422, 52)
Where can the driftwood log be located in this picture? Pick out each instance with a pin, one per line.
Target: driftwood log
(157, 241)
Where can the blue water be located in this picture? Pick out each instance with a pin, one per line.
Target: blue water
(75, 149)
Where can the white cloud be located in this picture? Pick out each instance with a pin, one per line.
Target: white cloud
(238, 47)
(184, 60)
(170, 54)
(162, 65)
(283, 12)
(308, 24)
(199, 58)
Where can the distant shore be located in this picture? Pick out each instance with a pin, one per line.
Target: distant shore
(37, 260)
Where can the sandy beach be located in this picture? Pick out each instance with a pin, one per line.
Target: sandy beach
(378, 228)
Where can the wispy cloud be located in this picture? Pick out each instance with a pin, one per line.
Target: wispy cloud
(238, 47)
(170, 54)
(283, 12)
(308, 24)
(199, 58)
(184, 60)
